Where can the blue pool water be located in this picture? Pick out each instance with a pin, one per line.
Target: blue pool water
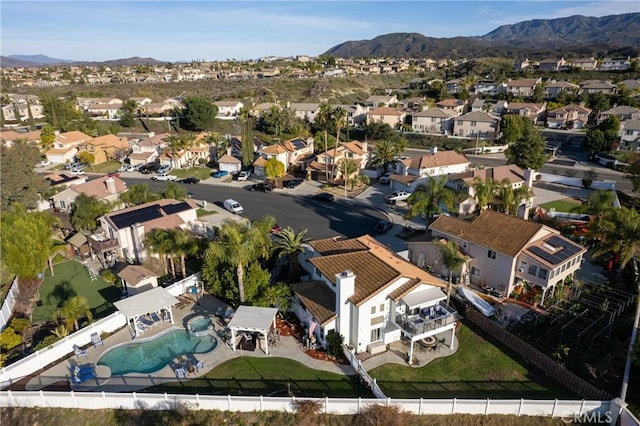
(153, 355)
(200, 324)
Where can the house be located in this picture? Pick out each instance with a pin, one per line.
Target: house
(305, 111)
(596, 86)
(497, 108)
(553, 89)
(263, 107)
(8, 138)
(552, 65)
(503, 252)
(570, 116)
(106, 189)
(64, 180)
(328, 160)
(533, 111)
(412, 171)
(489, 87)
(630, 84)
(477, 125)
(229, 164)
(234, 146)
(454, 86)
(147, 150)
(105, 148)
(433, 121)
(387, 115)
(296, 152)
(64, 147)
(453, 107)
(630, 135)
(462, 184)
(137, 279)
(128, 226)
(615, 64)
(524, 87)
(140, 101)
(228, 110)
(623, 112)
(587, 64)
(381, 101)
(369, 295)
(356, 114)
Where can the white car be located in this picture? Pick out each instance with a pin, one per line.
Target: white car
(77, 172)
(233, 206)
(244, 175)
(398, 196)
(163, 177)
(44, 163)
(164, 170)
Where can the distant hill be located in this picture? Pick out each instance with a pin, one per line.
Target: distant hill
(39, 59)
(13, 61)
(127, 61)
(7, 62)
(572, 36)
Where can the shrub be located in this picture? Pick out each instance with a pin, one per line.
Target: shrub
(334, 342)
(380, 415)
(306, 409)
(47, 341)
(20, 324)
(10, 338)
(586, 182)
(108, 276)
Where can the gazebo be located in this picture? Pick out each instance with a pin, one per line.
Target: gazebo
(253, 319)
(151, 301)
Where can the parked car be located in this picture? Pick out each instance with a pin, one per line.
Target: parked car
(386, 178)
(293, 183)
(163, 177)
(163, 170)
(220, 173)
(113, 174)
(189, 180)
(382, 226)
(43, 163)
(398, 196)
(149, 168)
(265, 187)
(77, 172)
(233, 206)
(243, 175)
(324, 196)
(124, 168)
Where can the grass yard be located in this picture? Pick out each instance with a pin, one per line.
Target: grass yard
(201, 173)
(265, 376)
(72, 279)
(202, 212)
(106, 167)
(567, 205)
(477, 370)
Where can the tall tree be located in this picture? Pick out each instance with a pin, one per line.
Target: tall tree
(291, 243)
(18, 181)
(47, 136)
(338, 119)
(274, 169)
(452, 259)
(429, 197)
(129, 109)
(184, 245)
(138, 194)
(246, 135)
(618, 234)
(239, 244)
(386, 152)
(511, 198)
(527, 151)
(199, 113)
(633, 174)
(74, 309)
(157, 242)
(484, 192)
(86, 211)
(347, 167)
(323, 120)
(175, 191)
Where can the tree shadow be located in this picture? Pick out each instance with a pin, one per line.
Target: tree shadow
(61, 293)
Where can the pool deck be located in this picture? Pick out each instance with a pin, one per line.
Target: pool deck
(287, 347)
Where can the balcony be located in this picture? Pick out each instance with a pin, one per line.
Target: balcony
(429, 319)
(99, 243)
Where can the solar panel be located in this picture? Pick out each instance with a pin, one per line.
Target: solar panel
(176, 208)
(298, 143)
(144, 214)
(551, 258)
(564, 250)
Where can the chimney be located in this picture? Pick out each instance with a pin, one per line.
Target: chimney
(434, 150)
(137, 233)
(346, 285)
(111, 185)
(528, 177)
(365, 147)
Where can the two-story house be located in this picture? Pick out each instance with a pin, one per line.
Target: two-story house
(105, 148)
(586, 64)
(228, 110)
(433, 121)
(503, 252)
(387, 115)
(623, 112)
(570, 116)
(453, 107)
(533, 111)
(381, 101)
(477, 125)
(497, 108)
(8, 138)
(411, 172)
(356, 114)
(65, 146)
(524, 87)
(552, 64)
(293, 153)
(328, 161)
(553, 89)
(370, 295)
(630, 135)
(147, 150)
(305, 111)
(615, 64)
(104, 188)
(596, 86)
(129, 226)
(489, 87)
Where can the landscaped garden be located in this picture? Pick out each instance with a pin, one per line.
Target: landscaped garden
(72, 279)
(478, 369)
(566, 205)
(268, 376)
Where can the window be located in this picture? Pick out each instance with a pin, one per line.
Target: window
(382, 307)
(533, 270)
(63, 205)
(475, 271)
(491, 254)
(373, 310)
(564, 266)
(553, 273)
(474, 124)
(376, 334)
(542, 273)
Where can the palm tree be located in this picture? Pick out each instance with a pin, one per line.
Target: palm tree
(620, 235)
(484, 192)
(511, 198)
(159, 241)
(347, 167)
(599, 203)
(428, 197)
(278, 295)
(74, 309)
(184, 245)
(291, 243)
(246, 134)
(452, 260)
(240, 244)
(338, 118)
(323, 119)
(385, 152)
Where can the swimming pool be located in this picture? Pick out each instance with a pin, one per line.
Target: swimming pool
(200, 326)
(153, 354)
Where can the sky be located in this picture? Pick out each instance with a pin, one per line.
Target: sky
(179, 31)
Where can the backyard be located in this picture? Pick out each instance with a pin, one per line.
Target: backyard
(567, 205)
(268, 376)
(72, 279)
(478, 369)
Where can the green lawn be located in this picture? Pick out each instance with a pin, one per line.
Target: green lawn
(477, 370)
(264, 376)
(201, 173)
(567, 205)
(106, 167)
(202, 212)
(72, 279)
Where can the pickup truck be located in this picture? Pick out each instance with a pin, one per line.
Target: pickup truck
(244, 175)
(398, 196)
(163, 177)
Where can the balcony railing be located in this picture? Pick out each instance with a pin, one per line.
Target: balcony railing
(429, 319)
(101, 244)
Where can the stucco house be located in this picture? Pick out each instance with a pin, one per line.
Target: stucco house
(370, 295)
(149, 149)
(570, 116)
(380, 101)
(305, 111)
(553, 89)
(630, 135)
(105, 148)
(596, 86)
(65, 146)
(623, 112)
(387, 115)
(524, 87)
(104, 188)
(433, 121)
(412, 171)
(137, 279)
(294, 152)
(229, 164)
(533, 111)
(228, 110)
(502, 252)
(325, 161)
(9, 137)
(129, 226)
(453, 107)
(477, 125)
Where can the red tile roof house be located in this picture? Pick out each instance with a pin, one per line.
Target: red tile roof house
(503, 252)
(413, 171)
(524, 87)
(65, 146)
(107, 189)
(570, 116)
(370, 295)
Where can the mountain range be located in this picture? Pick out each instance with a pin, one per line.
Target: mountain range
(571, 36)
(42, 60)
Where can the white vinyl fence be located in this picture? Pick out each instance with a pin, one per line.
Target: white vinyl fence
(130, 401)
(8, 304)
(365, 378)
